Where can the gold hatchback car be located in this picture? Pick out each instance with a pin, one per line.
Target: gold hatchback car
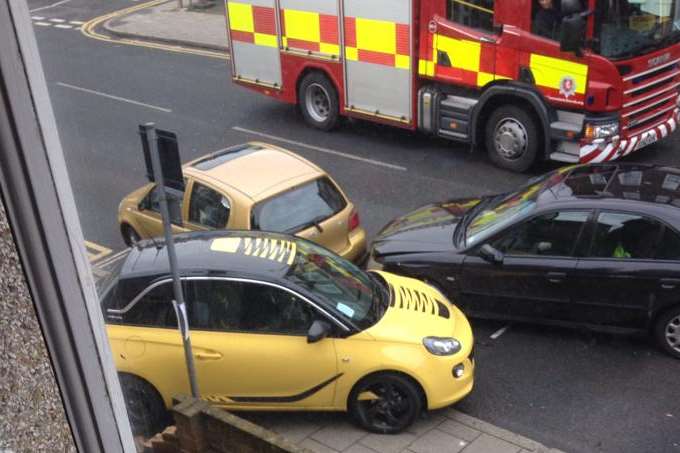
(254, 186)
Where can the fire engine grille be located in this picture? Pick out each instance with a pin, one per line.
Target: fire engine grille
(650, 97)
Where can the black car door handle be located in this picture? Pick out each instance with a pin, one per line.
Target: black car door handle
(556, 277)
(669, 283)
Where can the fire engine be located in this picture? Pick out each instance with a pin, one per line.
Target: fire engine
(569, 81)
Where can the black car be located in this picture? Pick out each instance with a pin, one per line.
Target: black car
(589, 245)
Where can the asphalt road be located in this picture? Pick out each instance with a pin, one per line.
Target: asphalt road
(572, 390)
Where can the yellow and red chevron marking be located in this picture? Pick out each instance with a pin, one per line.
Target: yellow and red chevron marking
(310, 31)
(252, 24)
(378, 42)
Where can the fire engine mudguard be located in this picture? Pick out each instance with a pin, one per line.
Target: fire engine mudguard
(512, 93)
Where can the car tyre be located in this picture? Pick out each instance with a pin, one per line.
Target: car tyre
(512, 138)
(144, 405)
(130, 235)
(385, 403)
(318, 101)
(667, 331)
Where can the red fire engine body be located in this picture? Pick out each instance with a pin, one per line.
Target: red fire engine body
(471, 70)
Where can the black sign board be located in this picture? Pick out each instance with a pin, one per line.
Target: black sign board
(168, 151)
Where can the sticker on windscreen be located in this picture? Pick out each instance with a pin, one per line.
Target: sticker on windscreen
(345, 310)
(271, 249)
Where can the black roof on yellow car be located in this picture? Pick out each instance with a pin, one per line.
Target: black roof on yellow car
(216, 252)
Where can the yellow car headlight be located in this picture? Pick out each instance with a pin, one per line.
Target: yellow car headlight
(442, 346)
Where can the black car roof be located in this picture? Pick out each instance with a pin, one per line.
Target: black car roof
(634, 183)
(247, 253)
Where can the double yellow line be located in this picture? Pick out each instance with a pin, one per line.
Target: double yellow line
(89, 30)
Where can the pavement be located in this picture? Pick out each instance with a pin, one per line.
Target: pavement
(442, 431)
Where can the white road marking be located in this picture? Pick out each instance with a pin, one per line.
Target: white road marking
(44, 24)
(117, 98)
(59, 21)
(76, 22)
(499, 332)
(49, 6)
(320, 149)
(37, 18)
(63, 26)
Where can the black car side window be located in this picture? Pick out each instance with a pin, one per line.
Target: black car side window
(215, 304)
(154, 309)
(622, 235)
(553, 234)
(671, 246)
(208, 208)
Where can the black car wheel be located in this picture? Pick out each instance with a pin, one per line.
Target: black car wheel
(512, 138)
(385, 403)
(318, 101)
(130, 235)
(667, 331)
(145, 407)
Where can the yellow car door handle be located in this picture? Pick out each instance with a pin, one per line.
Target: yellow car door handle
(208, 355)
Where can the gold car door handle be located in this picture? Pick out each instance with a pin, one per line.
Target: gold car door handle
(208, 356)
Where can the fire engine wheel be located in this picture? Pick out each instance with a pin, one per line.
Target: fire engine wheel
(318, 100)
(512, 138)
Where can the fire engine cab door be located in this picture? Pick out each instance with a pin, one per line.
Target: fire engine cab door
(253, 34)
(460, 55)
(377, 53)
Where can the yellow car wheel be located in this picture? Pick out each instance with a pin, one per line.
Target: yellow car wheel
(385, 403)
(144, 405)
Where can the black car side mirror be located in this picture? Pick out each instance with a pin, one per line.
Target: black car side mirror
(490, 254)
(318, 331)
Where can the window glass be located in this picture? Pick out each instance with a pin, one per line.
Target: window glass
(247, 307)
(621, 235)
(547, 19)
(671, 246)
(299, 208)
(154, 309)
(152, 200)
(208, 208)
(471, 13)
(553, 234)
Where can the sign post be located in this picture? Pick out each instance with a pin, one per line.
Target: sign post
(169, 169)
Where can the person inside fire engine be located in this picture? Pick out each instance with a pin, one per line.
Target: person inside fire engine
(547, 19)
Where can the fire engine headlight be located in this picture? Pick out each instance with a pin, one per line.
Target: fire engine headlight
(441, 346)
(599, 131)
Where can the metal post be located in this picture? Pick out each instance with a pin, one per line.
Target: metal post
(180, 307)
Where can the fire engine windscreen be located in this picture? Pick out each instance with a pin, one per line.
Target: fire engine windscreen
(627, 28)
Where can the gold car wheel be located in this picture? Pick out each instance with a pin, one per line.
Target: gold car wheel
(130, 235)
(385, 403)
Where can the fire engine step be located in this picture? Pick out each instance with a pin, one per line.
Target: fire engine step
(454, 116)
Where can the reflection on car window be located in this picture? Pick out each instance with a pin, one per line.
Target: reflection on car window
(246, 307)
(298, 208)
(154, 309)
(152, 201)
(349, 290)
(621, 235)
(208, 208)
(553, 234)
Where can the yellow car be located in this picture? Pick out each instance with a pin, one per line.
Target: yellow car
(279, 323)
(253, 187)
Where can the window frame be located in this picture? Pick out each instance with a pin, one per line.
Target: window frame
(448, 16)
(120, 312)
(593, 230)
(189, 196)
